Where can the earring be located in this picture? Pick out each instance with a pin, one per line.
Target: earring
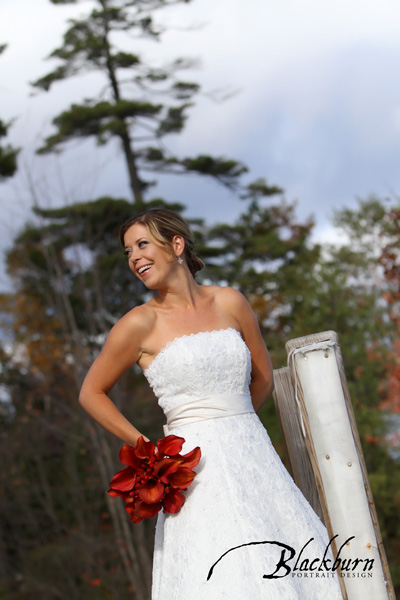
(180, 260)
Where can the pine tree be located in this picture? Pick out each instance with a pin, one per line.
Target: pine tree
(8, 154)
(140, 105)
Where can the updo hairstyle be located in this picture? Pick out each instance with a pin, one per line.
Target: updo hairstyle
(163, 225)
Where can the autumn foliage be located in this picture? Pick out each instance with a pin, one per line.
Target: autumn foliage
(390, 261)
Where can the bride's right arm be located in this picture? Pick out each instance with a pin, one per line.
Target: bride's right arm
(121, 351)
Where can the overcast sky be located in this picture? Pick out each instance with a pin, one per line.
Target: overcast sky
(317, 108)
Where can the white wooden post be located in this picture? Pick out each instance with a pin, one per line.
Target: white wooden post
(330, 433)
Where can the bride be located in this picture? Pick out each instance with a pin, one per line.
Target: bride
(244, 522)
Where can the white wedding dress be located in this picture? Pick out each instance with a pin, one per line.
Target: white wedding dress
(242, 492)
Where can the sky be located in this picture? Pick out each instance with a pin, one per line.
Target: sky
(315, 104)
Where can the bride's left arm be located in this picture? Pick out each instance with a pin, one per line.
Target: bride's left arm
(262, 378)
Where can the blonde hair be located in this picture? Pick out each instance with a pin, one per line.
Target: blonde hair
(163, 225)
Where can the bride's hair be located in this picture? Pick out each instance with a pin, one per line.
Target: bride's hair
(163, 225)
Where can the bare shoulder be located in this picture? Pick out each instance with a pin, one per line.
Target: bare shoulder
(133, 326)
(122, 349)
(234, 303)
(231, 299)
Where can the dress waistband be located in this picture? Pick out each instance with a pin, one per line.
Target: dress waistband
(210, 407)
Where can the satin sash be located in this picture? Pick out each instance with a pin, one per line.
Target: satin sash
(210, 407)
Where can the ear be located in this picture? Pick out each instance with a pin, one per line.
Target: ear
(178, 245)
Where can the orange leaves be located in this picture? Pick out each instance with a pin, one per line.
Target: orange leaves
(390, 261)
(392, 381)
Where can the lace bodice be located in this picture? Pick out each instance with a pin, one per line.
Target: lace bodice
(196, 365)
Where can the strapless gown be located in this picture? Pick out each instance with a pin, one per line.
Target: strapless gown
(242, 498)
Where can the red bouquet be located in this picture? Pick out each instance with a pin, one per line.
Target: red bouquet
(154, 476)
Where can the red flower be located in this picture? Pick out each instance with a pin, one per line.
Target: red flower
(154, 477)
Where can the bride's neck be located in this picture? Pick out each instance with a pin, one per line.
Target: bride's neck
(185, 293)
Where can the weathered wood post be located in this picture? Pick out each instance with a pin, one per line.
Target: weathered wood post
(324, 449)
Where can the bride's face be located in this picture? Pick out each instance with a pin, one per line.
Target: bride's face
(149, 261)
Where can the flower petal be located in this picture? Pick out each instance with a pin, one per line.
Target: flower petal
(174, 501)
(152, 491)
(116, 493)
(145, 449)
(170, 445)
(182, 478)
(134, 519)
(127, 456)
(145, 511)
(130, 509)
(164, 467)
(124, 480)
(192, 458)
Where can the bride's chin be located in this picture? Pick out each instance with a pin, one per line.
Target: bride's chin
(150, 285)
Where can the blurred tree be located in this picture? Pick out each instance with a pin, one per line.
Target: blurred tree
(297, 288)
(72, 284)
(362, 307)
(256, 253)
(8, 154)
(139, 123)
(64, 525)
(390, 261)
(373, 235)
(70, 288)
